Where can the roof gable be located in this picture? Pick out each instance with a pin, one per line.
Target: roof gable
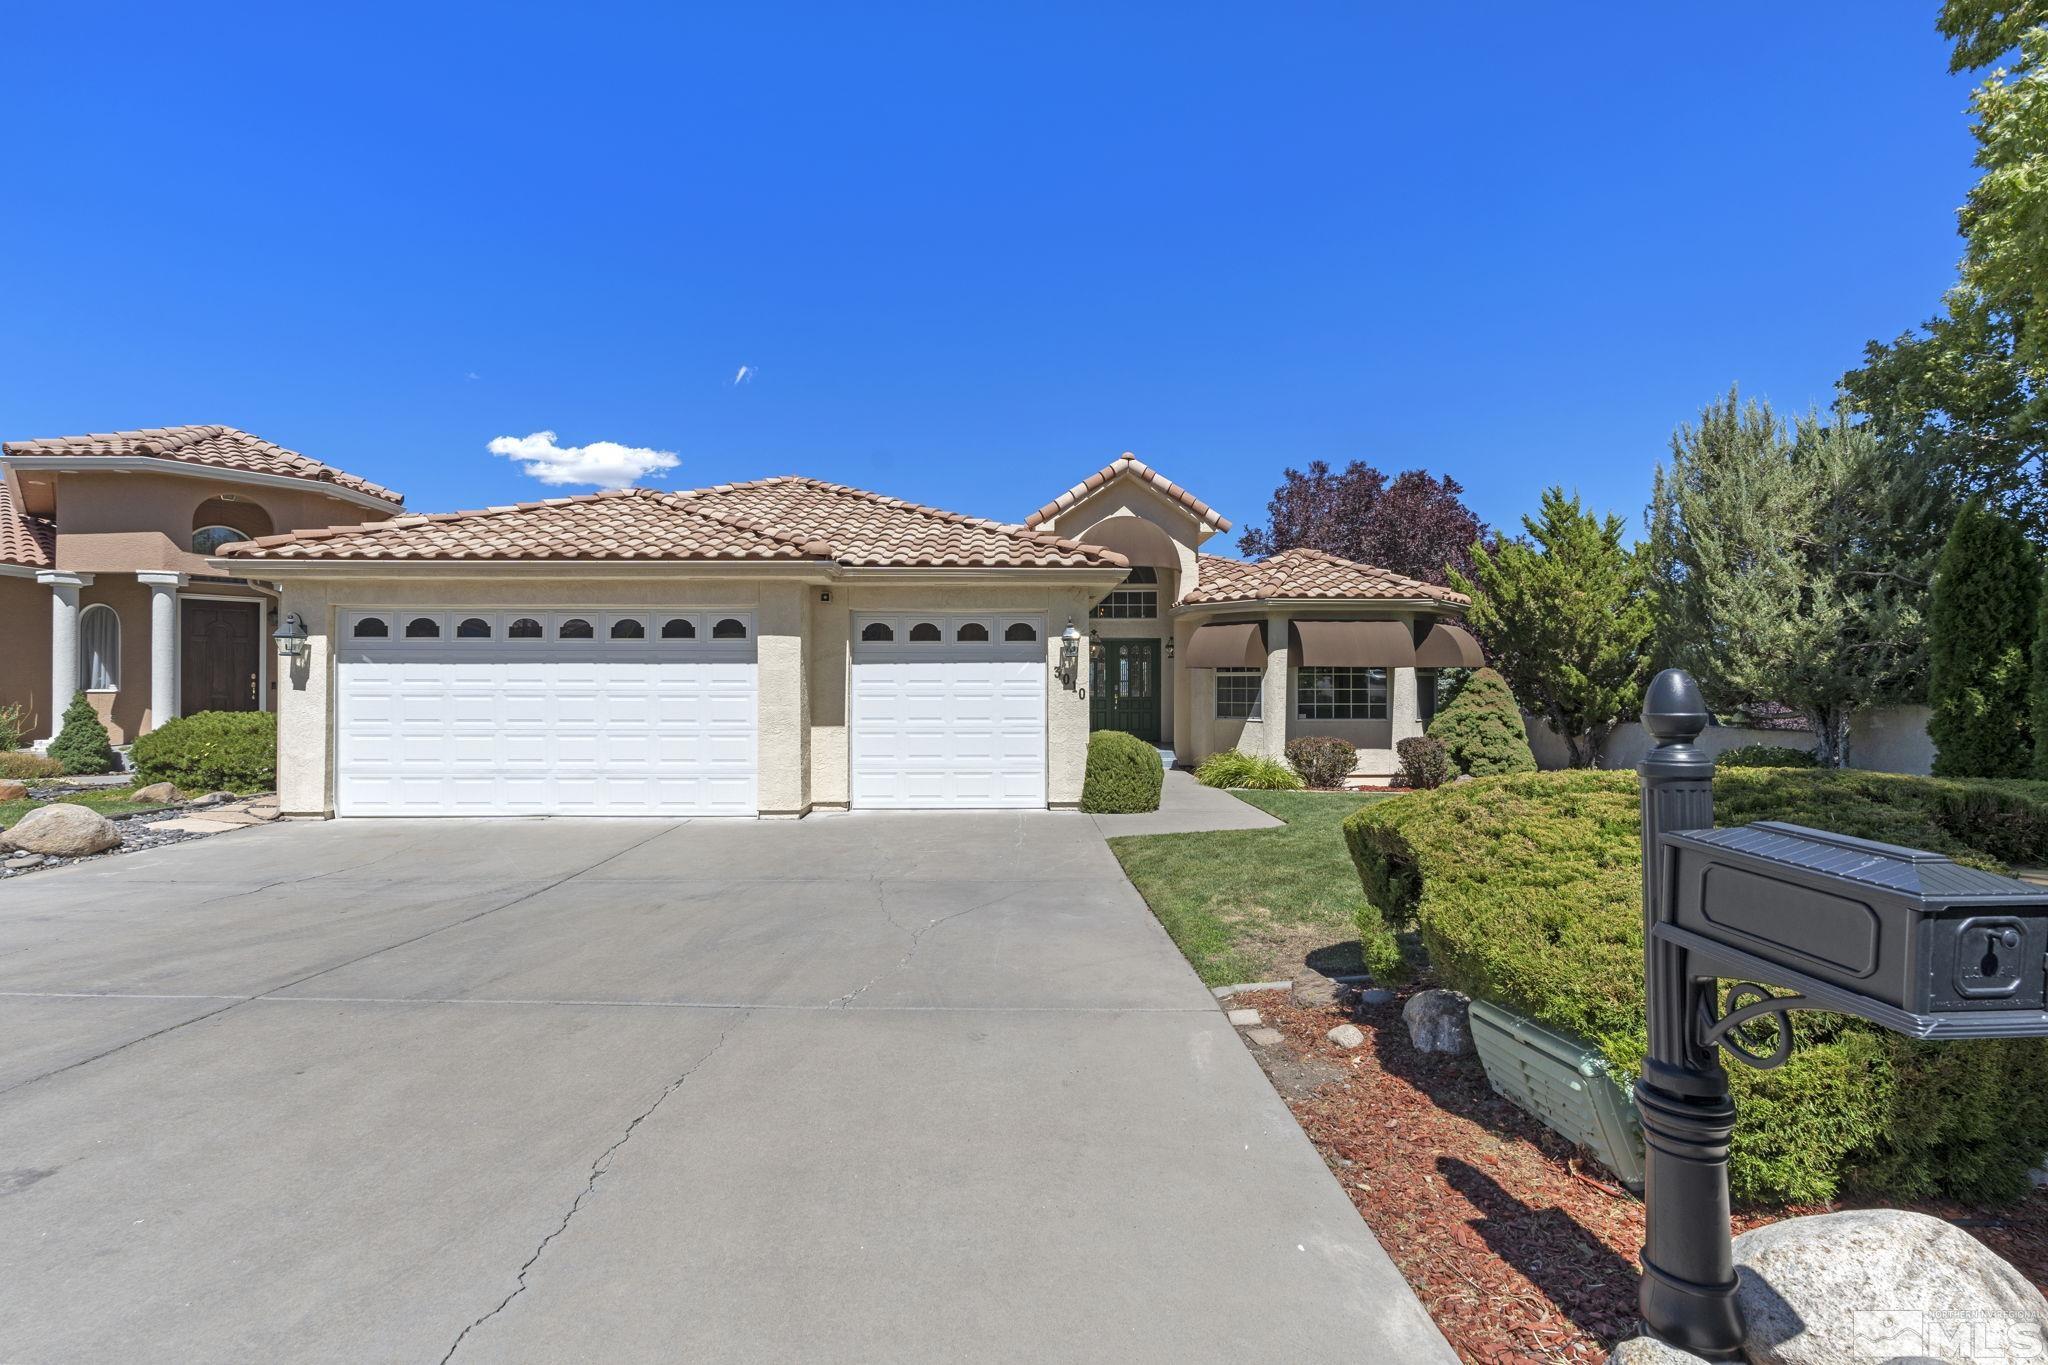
(214, 447)
(1129, 466)
(1302, 573)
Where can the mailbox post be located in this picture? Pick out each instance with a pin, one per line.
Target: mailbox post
(1904, 939)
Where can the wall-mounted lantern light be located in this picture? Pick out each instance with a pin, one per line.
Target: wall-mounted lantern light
(1070, 652)
(1169, 646)
(291, 638)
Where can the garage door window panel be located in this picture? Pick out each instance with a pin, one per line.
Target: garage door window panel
(423, 628)
(473, 628)
(678, 628)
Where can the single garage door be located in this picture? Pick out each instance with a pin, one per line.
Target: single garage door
(545, 713)
(948, 711)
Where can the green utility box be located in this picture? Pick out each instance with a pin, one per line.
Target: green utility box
(1563, 1082)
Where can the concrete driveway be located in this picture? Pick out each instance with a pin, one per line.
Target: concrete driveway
(897, 1088)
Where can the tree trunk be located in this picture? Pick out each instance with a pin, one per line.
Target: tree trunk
(1831, 736)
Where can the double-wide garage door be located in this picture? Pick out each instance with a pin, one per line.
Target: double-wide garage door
(948, 711)
(496, 712)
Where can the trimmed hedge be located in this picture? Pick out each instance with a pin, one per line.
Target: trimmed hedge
(1124, 775)
(1765, 756)
(1425, 763)
(1236, 768)
(82, 745)
(1526, 891)
(1322, 760)
(1482, 728)
(233, 751)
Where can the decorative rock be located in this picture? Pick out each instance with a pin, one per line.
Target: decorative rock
(1264, 1037)
(1650, 1351)
(10, 790)
(1437, 1022)
(1347, 1035)
(65, 830)
(1861, 1285)
(1375, 996)
(1244, 1018)
(22, 860)
(263, 810)
(154, 792)
(214, 798)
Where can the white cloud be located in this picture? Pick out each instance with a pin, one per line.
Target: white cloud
(746, 373)
(604, 463)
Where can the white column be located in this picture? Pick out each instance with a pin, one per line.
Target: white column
(163, 644)
(1276, 700)
(1404, 705)
(63, 639)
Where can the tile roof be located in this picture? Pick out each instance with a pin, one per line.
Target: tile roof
(1305, 573)
(24, 539)
(213, 446)
(869, 529)
(626, 524)
(727, 522)
(1128, 463)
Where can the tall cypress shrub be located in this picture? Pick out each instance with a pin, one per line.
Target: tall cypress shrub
(2039, 707)
(1981, 619)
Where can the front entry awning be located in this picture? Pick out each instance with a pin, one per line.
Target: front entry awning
(1237, 644)
(1354, 644)
(1448, 646)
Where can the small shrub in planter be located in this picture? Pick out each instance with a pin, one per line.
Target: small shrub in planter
(1425, 765)
(1236, 768)
(1482, 729)
(28, 767)
(1765, 756)
(1124, 775)
(81, 746)
(1322, 760)
(232, 751)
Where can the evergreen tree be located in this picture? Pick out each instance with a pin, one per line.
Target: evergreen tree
(1982, 620)
(1482, 730)
(1565, 615)
(2038, 710)
(1790, 565)
(81, 746)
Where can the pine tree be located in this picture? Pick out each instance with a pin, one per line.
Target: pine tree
(1982, 619)
(81, 746)
(1482, 728)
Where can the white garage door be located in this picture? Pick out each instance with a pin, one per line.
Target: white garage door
(948, 711)
(545, 713)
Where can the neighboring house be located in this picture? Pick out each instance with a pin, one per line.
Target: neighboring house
(105, 580)
(787, 645)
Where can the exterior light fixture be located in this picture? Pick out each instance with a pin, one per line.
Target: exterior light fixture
(1070, 651)
(1169, 646)
(291, 638)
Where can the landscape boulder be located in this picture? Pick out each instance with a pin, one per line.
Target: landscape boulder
(154, 792)
(10, 790)
(1347, 1036)
(65, 831)
(1650, 1351)
(1437, 1022)
(1881, 1284)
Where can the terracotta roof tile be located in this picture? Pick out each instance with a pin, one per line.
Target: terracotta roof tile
(213, 446)
(628, 524)
(869, 529)
(1128, 463)
(1305, 573)
(24, 539)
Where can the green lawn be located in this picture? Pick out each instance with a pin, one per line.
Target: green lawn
(1252, 904)
(105, 800)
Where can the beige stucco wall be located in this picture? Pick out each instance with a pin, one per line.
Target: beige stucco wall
(25, 651)
(122, 523)
(802, 648)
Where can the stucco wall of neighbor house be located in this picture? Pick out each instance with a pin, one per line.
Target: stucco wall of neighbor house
(1892, 739)
(122, 523)
(125, 709)
(25, 652)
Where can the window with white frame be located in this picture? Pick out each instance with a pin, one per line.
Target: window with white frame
(1136, 600)
(1239, 693)
(1341, 694)
(99, 648)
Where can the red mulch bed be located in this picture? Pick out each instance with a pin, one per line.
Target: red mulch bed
(1521, 1247)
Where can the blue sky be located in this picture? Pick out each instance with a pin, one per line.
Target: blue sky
(968, 253)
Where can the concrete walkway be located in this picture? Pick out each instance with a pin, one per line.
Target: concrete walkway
(1188, 807)
(911, 1088)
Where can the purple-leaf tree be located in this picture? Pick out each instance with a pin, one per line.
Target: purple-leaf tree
(1415, 524)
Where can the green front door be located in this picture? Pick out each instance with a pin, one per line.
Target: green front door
(1125, 686)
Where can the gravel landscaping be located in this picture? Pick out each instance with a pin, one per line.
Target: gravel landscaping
(140, 828)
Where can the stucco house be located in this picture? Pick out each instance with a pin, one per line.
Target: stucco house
(106, 580)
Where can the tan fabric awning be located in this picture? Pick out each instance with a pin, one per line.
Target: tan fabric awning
(1239, 644)
(1354, 644)
(1448, 646)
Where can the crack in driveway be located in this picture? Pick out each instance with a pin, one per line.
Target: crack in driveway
(916, 939)
(598, 1168)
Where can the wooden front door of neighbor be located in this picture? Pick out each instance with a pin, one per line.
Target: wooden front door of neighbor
(1126, 689)
(220, 668)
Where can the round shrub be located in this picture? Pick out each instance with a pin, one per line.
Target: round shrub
(1124, 775)
(1482, 728)
(1322, 760)
(1425, 764)
(1526, 891)
(233, 751)
(1765, 756)
(81, 746)
(1236, 768)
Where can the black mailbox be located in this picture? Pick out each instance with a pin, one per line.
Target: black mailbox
(1905, 938)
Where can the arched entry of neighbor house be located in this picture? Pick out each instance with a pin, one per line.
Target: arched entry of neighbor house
(1130, 674)
(221, 521)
